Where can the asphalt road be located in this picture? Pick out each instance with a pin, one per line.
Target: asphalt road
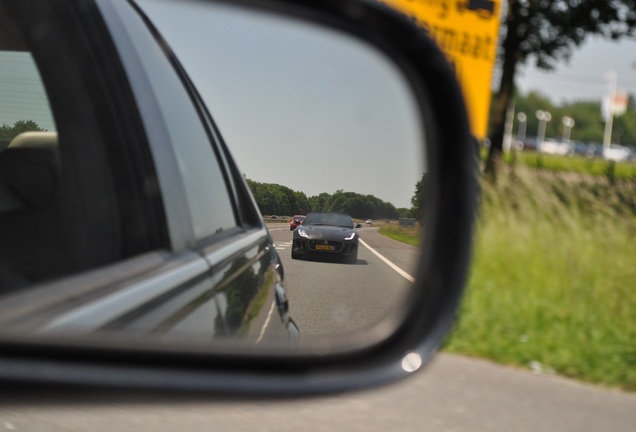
(453, 394)
(330, 298)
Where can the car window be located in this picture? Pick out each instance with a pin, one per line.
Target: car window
(208, 197)
(24, 105)
(36, 186)
(61, 180)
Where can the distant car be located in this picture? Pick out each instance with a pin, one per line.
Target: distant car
(594, 150)
(274, 217)
(581, 148)
(617, 153)
(369, 222)
(552, 146)
(529, 144)
(296, 221)
(326, 235)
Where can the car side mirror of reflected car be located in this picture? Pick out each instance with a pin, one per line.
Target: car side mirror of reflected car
(177, 333)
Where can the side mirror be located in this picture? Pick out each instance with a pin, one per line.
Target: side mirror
(189, 331)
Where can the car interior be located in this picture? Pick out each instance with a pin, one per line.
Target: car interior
(49, 217)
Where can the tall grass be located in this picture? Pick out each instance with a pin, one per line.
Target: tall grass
(575, 164)
(553, 279)
(409, 235)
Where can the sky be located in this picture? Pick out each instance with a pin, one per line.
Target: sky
(582, 78)
(299, 105)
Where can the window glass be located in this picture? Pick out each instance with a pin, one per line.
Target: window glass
(30, 173)
(23, 103)
(208, 199)
(207, 193)
(59, 212)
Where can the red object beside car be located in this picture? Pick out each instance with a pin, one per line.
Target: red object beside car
(296, 220)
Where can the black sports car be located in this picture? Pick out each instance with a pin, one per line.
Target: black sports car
(326, 235)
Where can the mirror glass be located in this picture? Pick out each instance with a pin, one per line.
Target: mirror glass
(317, 121)
(329, 117)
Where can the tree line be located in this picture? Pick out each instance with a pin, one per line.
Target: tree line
(282, 200)
(8, 132)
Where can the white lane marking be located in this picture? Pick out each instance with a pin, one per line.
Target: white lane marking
(269, 316)
(401, 272)
(282, 245)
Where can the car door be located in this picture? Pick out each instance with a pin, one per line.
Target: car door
(145, 229)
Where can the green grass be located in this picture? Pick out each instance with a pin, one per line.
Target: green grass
(574, 164)
(553, 279)
(409, 235)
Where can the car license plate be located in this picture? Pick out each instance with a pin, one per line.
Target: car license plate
(324, 247)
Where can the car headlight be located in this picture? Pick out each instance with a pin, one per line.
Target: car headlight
(351, 236)
(303, 233)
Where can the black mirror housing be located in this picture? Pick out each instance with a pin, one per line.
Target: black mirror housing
(439, 280)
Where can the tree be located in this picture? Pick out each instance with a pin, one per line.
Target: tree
(419, 199)
(631, 103)
(546, 31)
(280, 200)
(7, 133)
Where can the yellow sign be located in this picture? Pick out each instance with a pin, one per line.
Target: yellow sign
(467, 32)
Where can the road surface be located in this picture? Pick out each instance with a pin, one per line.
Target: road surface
(453, 394)
(333, 298)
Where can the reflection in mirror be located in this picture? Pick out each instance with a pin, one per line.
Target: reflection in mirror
(317, 121)
(326, 131)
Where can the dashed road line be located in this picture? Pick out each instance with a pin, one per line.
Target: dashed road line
(282, 246)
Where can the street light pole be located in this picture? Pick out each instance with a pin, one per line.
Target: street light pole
(521, 129)
(568, 124)
(610, 76)
(543, 117)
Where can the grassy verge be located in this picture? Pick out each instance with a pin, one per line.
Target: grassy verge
(571, 164)
(409, 235)
(575, 164)
(552, 284)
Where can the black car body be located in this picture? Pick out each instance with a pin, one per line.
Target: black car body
(326, 235)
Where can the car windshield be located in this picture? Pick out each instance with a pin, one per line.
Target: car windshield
(335, 219)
